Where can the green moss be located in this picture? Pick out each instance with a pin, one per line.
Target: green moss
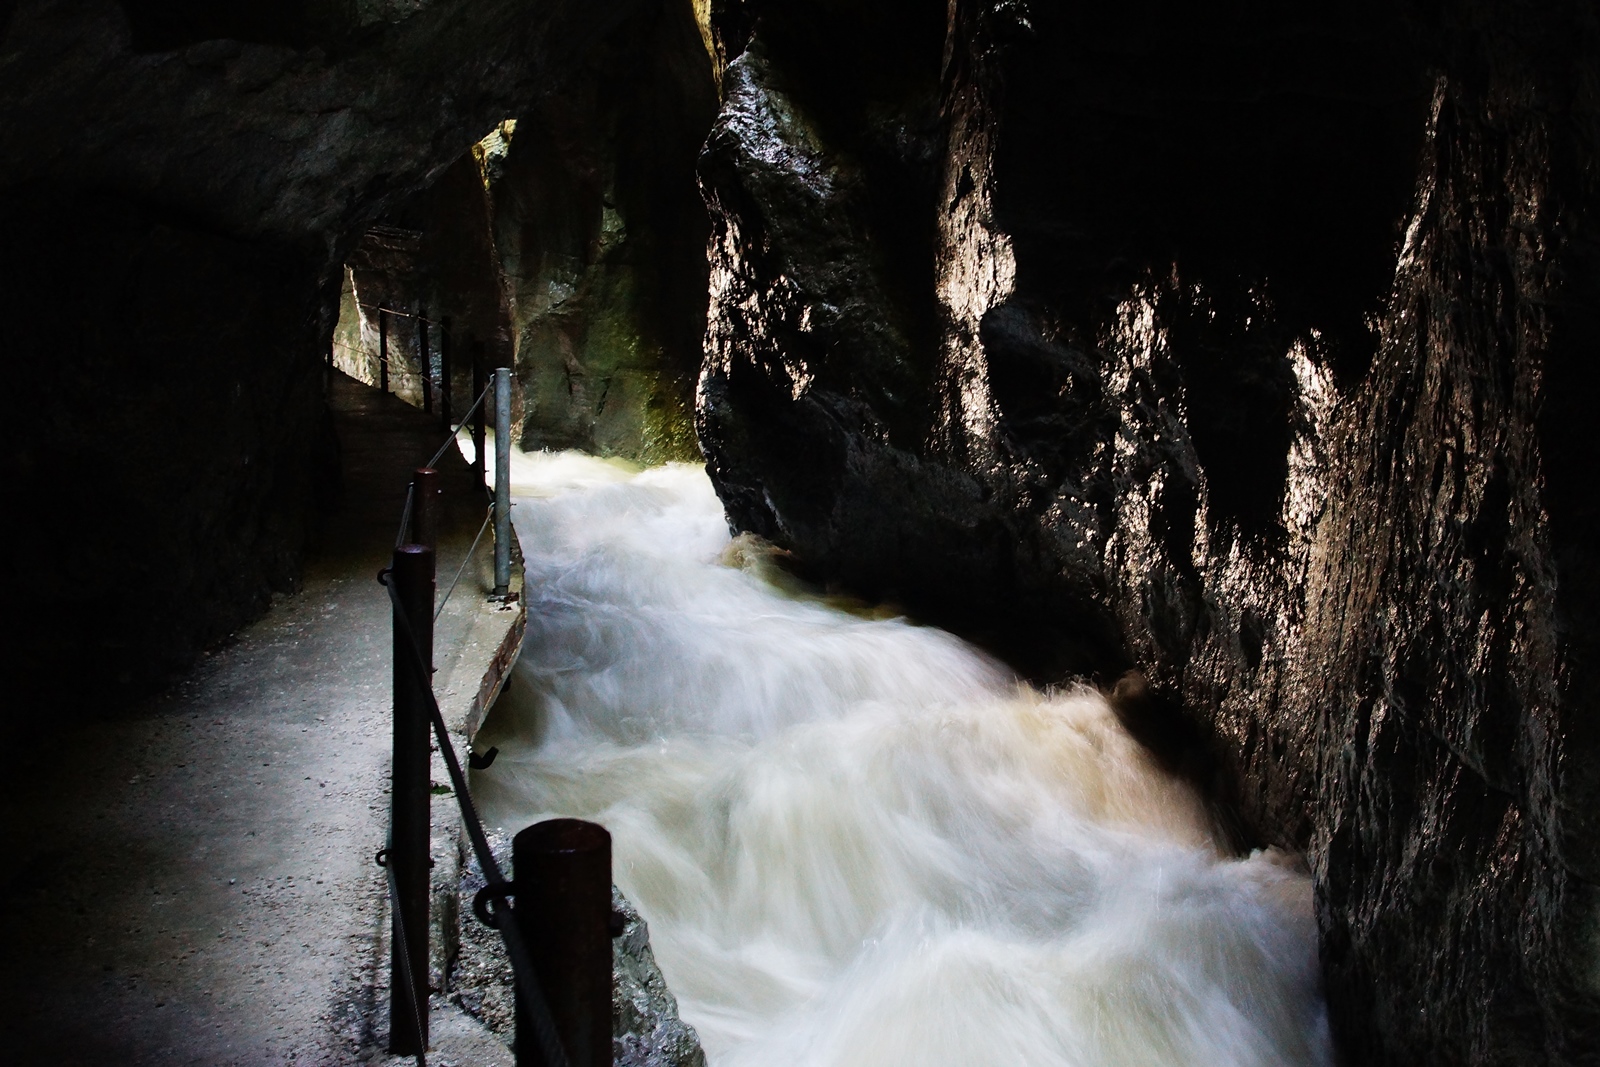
(594, 375)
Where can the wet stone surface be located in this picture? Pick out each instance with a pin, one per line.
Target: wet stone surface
(1278, 395)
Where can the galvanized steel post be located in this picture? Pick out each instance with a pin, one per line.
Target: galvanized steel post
(502, 481)
(410, 798)
(563, 911)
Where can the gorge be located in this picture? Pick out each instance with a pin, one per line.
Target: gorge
(1234, 362)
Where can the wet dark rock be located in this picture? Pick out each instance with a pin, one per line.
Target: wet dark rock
(1254, 360)
(647, 1029)
(818, 393)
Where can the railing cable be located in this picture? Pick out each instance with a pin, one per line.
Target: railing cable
(448, 441)
(468, 559)
(405, 514)
(532, 995)
(395, 368)
(399, 946)
(397, 313)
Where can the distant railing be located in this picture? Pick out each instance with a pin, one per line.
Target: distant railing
(387, 367)
(555, 917)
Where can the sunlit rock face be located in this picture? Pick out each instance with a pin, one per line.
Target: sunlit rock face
(569, 244)
(1246, 352)
(600, 236)
(179, 187)
(432, 256)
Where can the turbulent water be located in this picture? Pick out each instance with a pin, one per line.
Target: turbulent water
(861, 841)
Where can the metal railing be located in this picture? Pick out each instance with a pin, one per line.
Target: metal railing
(389, 368)
(555, 917)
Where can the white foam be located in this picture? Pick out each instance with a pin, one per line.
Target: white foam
(861, 841)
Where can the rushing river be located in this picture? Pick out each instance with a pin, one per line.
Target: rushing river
(861, 841)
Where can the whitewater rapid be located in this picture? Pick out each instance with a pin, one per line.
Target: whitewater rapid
(859, 841)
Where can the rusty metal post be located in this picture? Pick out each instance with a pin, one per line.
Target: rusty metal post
(425, 507)
(480, 418)
(410, 797)
(502, 481)
(563, 910)
(444, 372)
(422, 358)
(383, 349)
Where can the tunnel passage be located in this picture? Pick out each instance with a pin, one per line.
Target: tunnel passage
(173, 271)
(569, 243)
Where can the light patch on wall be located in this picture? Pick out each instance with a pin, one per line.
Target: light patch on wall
(702, 22)
(490, 153)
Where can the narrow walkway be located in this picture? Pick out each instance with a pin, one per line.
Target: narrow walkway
(192, 882)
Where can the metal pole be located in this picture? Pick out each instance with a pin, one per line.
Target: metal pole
(410, 815)
(383, 349)
(502, 481)
(425, 506)
(422, 358)
(480, 462)
(444, 372)
(563, 911)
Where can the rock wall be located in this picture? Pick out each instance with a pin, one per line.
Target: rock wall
(1246, 350)
(571, 243)
(600, 235)
(169, 450)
